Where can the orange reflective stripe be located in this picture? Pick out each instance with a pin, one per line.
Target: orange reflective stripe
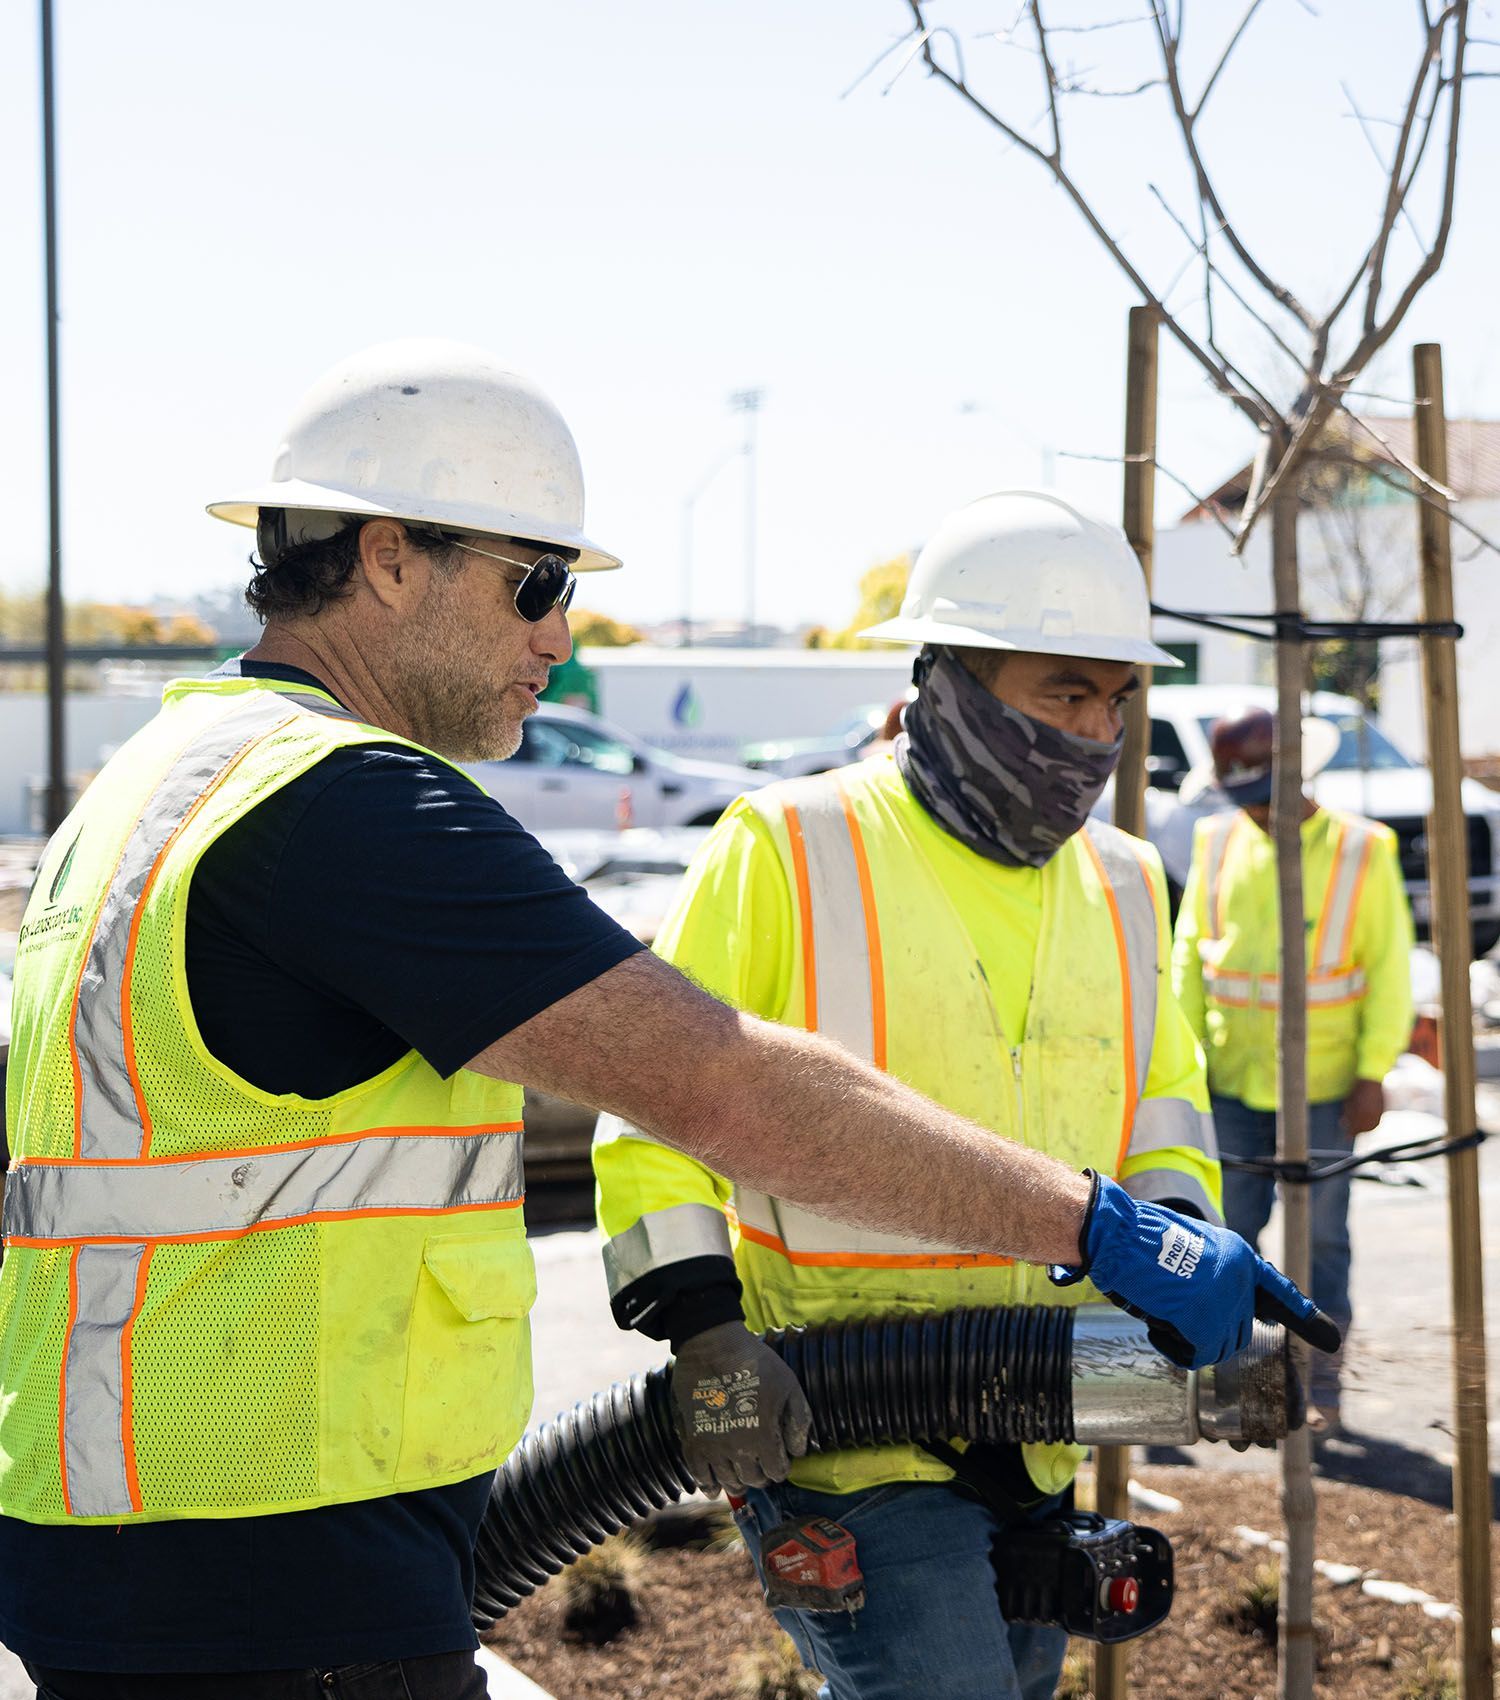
(1127, 1016)
(874, 1259)
(804, 913)
(872, 933)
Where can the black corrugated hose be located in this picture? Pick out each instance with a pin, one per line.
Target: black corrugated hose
(999, 1374)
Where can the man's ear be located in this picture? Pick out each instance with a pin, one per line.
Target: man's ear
(394, 570)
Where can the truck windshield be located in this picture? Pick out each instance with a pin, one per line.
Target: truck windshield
(1361, 744)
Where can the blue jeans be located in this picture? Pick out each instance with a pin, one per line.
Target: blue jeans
(931, 1622)
(1244, 1132)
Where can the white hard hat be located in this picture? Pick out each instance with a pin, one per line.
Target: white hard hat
(431, 431)
(1023, 570)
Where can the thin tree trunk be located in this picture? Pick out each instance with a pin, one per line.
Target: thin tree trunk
(1299, 1510)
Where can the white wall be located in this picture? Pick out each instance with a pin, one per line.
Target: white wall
(1194, 569)
(95, 725)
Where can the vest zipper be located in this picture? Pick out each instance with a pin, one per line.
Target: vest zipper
(1015, 1068)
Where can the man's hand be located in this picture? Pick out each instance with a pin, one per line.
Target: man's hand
(741, 1414)
(1364, 1107)
(1200, 1287)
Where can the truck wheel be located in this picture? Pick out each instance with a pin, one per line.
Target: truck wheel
(1486, 937)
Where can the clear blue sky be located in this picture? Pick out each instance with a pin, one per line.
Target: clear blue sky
(645, 207)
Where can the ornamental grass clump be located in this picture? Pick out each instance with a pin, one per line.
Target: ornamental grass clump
(600, 1590)
(776, 1673)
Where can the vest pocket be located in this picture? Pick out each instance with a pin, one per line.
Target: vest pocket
(468, 1381)
(483, 1278)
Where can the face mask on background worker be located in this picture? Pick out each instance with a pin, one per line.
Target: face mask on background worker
(1009, 786)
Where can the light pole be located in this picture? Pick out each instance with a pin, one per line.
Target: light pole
(748, 402)
(57, 767)
(689, 504)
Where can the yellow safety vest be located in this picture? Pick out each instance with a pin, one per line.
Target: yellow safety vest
(217, 1301)
(1227, 967)
(884, 964)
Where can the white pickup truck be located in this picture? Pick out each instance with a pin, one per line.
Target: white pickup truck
(1368, 775)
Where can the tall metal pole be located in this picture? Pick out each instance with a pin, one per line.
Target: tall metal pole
(748, 402)
(1112, 1463)
(57, 765)
(1448, 866)
(686, 617)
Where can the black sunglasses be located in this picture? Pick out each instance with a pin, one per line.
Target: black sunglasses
(549, 581)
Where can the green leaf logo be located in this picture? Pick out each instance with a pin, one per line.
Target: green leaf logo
(62, 873)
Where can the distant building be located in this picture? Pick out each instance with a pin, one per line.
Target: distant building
(1357, 542)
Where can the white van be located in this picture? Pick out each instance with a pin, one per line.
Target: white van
(1368, 776)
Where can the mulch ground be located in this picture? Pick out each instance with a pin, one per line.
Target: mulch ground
(701, 1621)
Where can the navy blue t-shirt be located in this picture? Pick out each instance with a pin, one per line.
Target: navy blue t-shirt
(379, 903)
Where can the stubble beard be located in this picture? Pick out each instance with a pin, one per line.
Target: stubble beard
(452, 704)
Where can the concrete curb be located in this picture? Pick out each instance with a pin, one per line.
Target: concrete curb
(505, 1681)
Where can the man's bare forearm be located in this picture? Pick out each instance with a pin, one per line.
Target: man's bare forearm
(790, 1113)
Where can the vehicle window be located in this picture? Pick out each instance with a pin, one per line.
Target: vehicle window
(588, 748)
(544, 743)
(1166, 743)
(1361, 744)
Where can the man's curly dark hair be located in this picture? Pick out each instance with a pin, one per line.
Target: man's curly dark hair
(294, 580)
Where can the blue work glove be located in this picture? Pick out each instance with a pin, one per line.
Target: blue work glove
(1198, 1286)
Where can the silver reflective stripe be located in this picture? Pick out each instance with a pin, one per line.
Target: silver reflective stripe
(1263, 991)
(224, 1195)
(838, 941)
(1172, 1124)
(1158, 1185)
(1355, 842)
(1219, 834)
(318, 705)
(1336, 988)
(665, 1236)
(109, 1120)
(1137, 906)
(94, 1381)
(805, 1234)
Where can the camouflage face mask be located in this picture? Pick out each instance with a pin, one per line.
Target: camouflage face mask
(1010, 787)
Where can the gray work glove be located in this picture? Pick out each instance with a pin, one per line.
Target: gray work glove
(741, 1415)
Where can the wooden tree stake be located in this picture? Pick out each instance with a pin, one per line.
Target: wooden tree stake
(1448, 870)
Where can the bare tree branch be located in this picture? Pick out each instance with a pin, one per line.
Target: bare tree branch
(1050, 74)
(1234, 40)
(1169, 43)
(1201, 248)
(1212, 508)
(1409, 467)
(1364, 130)
(1440, 504)
(1394, 196)
(1247, 404)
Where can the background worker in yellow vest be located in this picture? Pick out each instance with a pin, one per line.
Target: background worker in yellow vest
(263, 1308)
(950, 913)
(1226, 969)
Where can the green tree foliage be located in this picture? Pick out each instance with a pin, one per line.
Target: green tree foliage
(880, 592)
